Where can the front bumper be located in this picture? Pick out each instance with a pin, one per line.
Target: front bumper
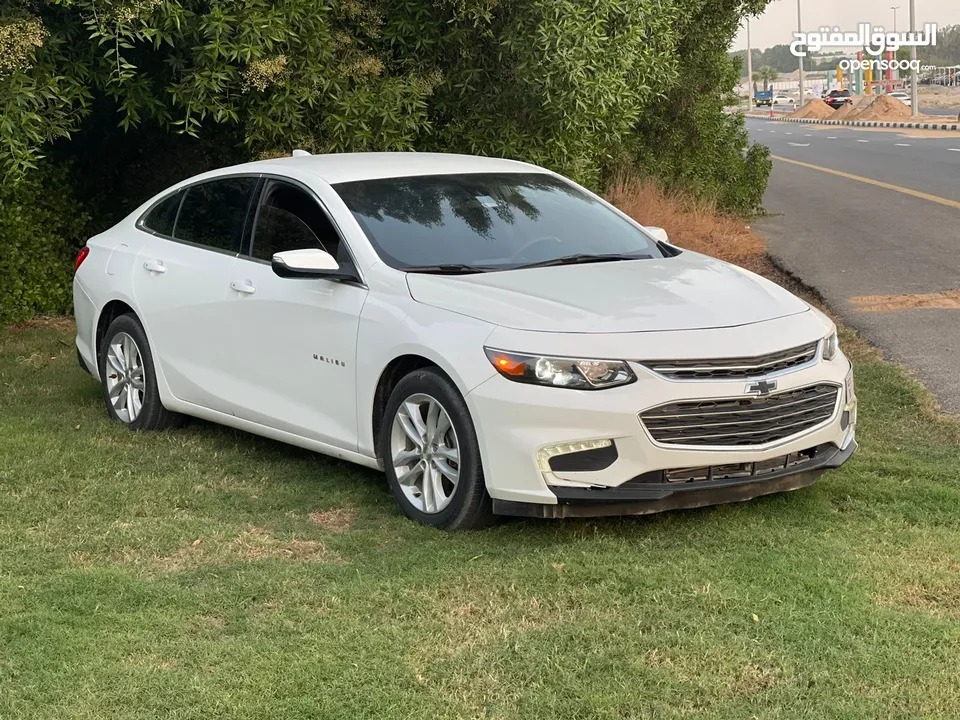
(649, 497)
(515, 422)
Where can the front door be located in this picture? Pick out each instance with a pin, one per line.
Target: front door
(293, 357)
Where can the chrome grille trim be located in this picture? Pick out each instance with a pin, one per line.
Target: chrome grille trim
(742, 421)
(731, 368)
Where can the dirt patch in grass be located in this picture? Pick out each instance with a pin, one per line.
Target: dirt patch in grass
(52, 322)
(251, 545)
(336, 520)
(921, 578)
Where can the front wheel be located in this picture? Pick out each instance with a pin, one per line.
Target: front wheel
(431, 454)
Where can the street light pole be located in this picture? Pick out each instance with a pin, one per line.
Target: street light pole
(749, 69)
(894, 8)
(914, 74)
(800, 30)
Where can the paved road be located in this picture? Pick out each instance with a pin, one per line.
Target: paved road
(947, 113)
(850, 239)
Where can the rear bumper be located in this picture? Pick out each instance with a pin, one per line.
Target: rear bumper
(650, 493)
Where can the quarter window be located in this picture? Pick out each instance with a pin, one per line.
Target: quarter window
(290, 219)
(213, 213)
(163, 215)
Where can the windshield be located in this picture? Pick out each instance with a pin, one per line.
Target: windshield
(495, 221)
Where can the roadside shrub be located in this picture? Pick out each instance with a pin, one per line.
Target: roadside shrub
(41, 228)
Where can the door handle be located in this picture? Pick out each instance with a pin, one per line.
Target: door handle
(154, 266)
(245, 287)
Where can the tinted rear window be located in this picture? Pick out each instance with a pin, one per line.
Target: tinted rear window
(213, 213)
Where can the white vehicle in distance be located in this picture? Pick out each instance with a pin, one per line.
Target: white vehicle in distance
(496, 338)
(902, 97)
(784, 100)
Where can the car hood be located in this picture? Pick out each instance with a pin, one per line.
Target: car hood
(686, 292)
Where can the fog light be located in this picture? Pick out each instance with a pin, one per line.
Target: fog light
(848, 387)
(544, 454)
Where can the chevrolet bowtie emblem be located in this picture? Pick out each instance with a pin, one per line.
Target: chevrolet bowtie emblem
(763, 387)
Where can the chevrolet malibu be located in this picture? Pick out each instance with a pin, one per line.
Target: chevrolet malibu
(494, 337)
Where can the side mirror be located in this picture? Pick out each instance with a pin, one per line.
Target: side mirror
(308, 263)
(657, 233)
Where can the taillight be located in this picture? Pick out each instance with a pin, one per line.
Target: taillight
(84, 251)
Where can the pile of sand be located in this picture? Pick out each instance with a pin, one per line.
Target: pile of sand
(884, 108)
(844, 112)
(816, 109)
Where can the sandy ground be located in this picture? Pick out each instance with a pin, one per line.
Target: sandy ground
(939, 97)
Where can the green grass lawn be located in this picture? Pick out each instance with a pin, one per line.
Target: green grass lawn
(206, 573)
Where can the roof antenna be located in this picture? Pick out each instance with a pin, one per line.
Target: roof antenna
(300, 153)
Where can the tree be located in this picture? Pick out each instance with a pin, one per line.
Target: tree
(766, 75)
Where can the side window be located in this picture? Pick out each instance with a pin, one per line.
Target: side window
(289, 219)
(163, 215)
(213, 213)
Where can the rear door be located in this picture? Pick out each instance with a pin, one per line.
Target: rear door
(182, 284)
(293, 349)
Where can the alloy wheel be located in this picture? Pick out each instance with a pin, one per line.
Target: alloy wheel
(124, 376)
(425, 453)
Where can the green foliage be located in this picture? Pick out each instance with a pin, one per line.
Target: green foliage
(41, 227)
(578, 86)
(685, 139)
(557, 82)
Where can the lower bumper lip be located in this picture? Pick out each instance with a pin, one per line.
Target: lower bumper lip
(657, 497)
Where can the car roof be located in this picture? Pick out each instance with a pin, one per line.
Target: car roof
(348, 167)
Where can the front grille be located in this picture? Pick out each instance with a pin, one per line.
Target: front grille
(734, 422)
(743, 367)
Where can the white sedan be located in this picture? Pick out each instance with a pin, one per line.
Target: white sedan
(496, 338)
(784, 100)
(902, 97)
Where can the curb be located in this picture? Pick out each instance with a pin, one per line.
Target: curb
(875, 123)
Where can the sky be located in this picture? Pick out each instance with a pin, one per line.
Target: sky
(779, 21)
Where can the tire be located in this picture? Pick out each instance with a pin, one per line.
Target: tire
(138, 380)
(462, 504)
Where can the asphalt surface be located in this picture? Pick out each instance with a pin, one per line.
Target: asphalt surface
(849, 239)
(947, 113)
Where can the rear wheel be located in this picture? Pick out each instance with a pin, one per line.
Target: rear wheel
(431, 454)
(129, 380)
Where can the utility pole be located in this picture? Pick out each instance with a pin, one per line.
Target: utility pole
(800, 30)
(914, 74)
(894, 8)
(750, 69)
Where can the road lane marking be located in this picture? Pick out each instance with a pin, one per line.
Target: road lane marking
(789, 133)
(943, 300)
(902, 144)
(871, 181)
(808, 135)
(863, 141)
(954, 149)
(799, 144)
(831, 137)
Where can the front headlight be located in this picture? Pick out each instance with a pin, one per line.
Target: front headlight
(830, 346)
(561, 372)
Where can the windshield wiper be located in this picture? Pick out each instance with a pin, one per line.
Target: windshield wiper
(449, 269)
(582, 258)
